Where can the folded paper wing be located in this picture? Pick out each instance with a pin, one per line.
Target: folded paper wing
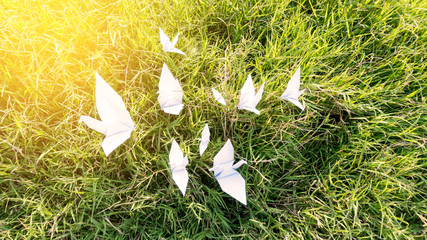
(258, 95)
(292, 92)
(167, 45)
(178, 163)
(170, 92)
(218, 97)
(204, 141)
(115, 123)
(225, 172)
(248, 99)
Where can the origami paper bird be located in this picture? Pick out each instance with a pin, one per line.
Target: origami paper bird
(292, 92)
(218, 97)
(248, 99)
(225, 172)
(204, 141)
(170, 92)
(116, 123)
(178, 163)
(167, 45)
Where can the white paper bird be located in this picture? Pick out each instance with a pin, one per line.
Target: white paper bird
(116, 123)
(248, 99)
(292, 92)
(169, 46)
(225, 172)
(170, 92)
(178, 163)
(218, 96)
(204, 141)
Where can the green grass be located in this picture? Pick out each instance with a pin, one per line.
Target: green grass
(352, 166)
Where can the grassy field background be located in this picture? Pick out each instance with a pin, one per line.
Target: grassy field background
(351, 166)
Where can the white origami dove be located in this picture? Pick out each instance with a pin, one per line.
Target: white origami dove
(116, 123)
(225, 172)
(292, 92)
(178, 163)
(248, 99)
(169, 46)
(218, 97)
(170, 92)
(204, 141)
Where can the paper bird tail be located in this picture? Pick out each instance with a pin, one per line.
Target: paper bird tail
(238, 164)
(254, 110)
(94, 124)
(175, 50)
